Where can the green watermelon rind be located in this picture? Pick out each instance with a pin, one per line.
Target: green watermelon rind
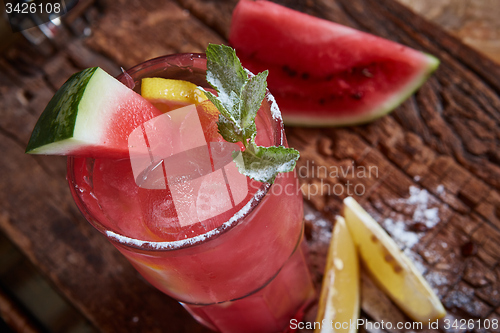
(397, 98)
(78, 114)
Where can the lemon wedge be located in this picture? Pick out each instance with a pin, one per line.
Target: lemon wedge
(339, 301)
(168, 94)
(390, 268)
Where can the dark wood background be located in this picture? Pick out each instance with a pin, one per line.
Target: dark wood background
(474, 22)
(442, 144)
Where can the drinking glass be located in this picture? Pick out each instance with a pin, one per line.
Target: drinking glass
(249, 273)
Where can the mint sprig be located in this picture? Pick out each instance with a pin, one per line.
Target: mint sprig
(240, 96)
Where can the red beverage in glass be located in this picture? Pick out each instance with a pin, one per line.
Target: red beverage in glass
(242, 270)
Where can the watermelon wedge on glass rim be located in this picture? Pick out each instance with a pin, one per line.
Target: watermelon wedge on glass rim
(91, 115)
(322, 73)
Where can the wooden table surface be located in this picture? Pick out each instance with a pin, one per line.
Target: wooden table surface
(436, 190)
(475, 22)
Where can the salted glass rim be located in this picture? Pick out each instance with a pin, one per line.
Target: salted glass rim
(181, 60)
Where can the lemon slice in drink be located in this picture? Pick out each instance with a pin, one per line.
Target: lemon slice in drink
(339, 300)
(390, 268)
(168, 94)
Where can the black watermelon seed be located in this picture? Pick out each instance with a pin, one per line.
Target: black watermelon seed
(290, 72)
(357, 96)
(305, 76)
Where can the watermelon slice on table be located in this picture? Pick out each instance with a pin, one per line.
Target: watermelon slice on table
(91, 115)
(323, 73)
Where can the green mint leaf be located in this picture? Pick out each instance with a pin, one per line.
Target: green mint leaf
(226, 75)
(240, 95)
(223, 110)
(264, 163)
(228, 131)
(253, 93)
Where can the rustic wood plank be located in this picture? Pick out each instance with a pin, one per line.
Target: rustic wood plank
(475, 22)
(436, 189)
(132, 32)
(15, 316)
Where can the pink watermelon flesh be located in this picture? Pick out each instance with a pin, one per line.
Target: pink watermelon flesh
(130, 112)
(323, 73)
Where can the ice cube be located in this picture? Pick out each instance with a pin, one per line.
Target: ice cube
(159, 213)
(238, 185)
(188, 165)
(177, 132)
(184, 197)
(223, 155)
(213, 197)
(190, 131)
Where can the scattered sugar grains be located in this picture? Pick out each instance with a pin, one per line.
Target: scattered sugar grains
(440, 189)
(398, 231)
(418, 201)
(321, 227)
(417, 261)
(436, 279)
(319, 237)
(275, 111)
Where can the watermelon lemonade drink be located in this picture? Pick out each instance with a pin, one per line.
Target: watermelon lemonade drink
(226, 246)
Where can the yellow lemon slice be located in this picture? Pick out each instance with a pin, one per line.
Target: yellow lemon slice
(391, 269)
(168, 94)
(339, 301)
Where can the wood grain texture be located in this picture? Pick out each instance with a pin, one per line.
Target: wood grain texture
(436, 187)
(475, 22)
